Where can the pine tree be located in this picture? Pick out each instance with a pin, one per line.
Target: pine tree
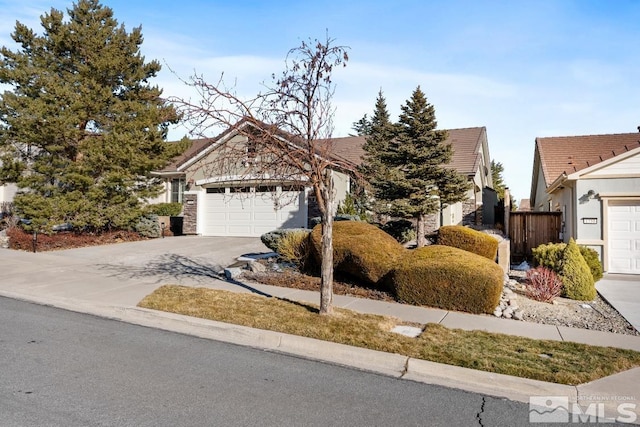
(376, 146)
(496, 177)
(415, 180)
(82, 127)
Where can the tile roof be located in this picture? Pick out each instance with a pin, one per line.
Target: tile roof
(466, 144)
(569, 154)
(197, 145)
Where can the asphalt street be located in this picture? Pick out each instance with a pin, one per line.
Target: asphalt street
(60, 368)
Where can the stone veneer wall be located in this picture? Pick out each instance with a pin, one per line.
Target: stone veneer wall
(471, 214)
(431, 223)
(190, 213)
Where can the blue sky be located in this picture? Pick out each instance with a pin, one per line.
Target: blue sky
(523, 68)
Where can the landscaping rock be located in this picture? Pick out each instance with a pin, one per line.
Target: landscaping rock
(232, 273)
(257, 267)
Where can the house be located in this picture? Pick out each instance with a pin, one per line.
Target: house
(210, 209)
(594, 180)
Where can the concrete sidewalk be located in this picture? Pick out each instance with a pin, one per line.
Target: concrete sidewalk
(110, 280)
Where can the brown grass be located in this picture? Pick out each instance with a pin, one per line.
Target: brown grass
(554, 361)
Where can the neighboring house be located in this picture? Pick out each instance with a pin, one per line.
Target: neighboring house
(524, 206)
(211, 208)
(7, 192)
(594, 180)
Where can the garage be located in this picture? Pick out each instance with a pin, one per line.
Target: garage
(624, 237)
(252, 210)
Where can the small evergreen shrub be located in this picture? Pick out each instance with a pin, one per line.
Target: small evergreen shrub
(293, 247)
(165, 209)
(400, 229)
(349, 207)
(448, 278)
(468, 239)
(148, 226)
(272, 238)
(550, 256)
(360, 250)
(575, 274)
(543, 284)
(593, 261)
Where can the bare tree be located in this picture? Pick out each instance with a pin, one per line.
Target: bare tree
(288, 129)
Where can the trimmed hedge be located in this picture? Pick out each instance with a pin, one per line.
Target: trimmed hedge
(360, 250)
(448, 278)
(576, 276)
(164, 209)
(468, 239)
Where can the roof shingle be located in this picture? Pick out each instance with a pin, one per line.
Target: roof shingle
(466, 143)
(569, 154)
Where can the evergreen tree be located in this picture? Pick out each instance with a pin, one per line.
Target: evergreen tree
(496, 176)
(411, 177)
(82, 127)
(376, 146)
(362, 126)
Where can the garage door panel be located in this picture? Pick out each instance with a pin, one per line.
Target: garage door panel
(251, 213)
(624, 237)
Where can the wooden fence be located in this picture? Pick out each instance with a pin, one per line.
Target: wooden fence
(530, 229)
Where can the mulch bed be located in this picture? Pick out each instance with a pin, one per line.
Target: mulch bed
(296, 280)
(21, 240)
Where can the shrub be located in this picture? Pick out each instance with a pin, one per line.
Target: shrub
(543, 284)
(575, 274)
(360, 250)
(164, 209)
(272, 238)
(400, 229)
(448, 278)
(550, 256)
(470, 240)
(148, 226)
(293, 247)
(593, 261)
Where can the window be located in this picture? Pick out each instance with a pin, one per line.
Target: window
(216, 190)
(177, 190)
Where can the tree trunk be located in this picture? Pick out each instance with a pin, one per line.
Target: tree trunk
(420, 238)
(326, 269)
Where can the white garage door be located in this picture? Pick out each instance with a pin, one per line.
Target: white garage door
(624, 237)
(251, 211)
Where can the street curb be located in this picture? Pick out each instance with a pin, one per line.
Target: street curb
(388, 364)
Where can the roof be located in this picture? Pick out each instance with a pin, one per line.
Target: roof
(197, 145)
(466, 143)
(569, 154)
(524, 205)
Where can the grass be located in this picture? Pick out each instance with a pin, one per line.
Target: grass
(553, 361)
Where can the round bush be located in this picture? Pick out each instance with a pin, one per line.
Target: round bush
(448, 278)
(468, 239)
(360, 250)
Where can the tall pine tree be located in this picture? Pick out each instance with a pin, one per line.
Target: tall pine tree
(407, 163)
(82, 127)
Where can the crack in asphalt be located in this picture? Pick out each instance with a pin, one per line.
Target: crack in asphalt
(479, 414)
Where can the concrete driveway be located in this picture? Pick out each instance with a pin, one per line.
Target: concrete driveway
(623, 293)
(121, 274)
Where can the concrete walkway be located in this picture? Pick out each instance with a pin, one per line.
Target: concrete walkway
(110, 280)
(623, 293)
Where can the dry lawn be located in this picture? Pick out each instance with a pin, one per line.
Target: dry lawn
(559, 362)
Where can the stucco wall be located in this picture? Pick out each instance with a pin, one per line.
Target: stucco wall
(7, 192)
